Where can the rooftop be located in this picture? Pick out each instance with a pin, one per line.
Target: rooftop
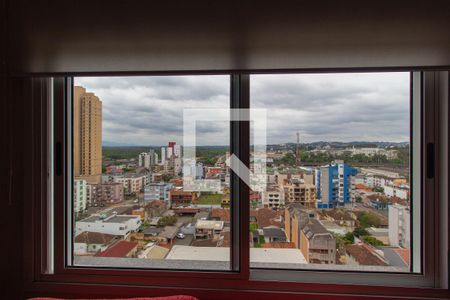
(120, 249)
(314, 227)
(365, 255)
(209, 224)
(257, 255)
(169, 232)
(94, 238)
(274, 232)
(220, 213)
(109, 219)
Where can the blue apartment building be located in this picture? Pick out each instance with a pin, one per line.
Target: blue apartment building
(334, 184)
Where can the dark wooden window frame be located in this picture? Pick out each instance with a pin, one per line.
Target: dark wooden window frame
(64, 280)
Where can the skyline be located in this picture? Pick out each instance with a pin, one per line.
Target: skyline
(320, 106)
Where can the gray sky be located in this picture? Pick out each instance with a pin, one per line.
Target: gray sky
(322, 107)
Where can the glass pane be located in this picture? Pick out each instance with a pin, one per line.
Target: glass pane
(338, 174)
(132, 204)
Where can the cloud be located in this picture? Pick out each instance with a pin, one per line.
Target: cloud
(148, 110)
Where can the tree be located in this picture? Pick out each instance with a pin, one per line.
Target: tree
(367, 219)
(167, 221)
(349, 237)
(358, 199)
(372, 241)
(378, 189)
(359, 232)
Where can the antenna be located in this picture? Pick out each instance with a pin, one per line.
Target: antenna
(297, 151)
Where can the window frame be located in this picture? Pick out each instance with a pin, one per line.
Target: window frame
(245, 278)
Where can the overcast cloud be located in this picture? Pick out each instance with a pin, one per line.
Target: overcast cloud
(322, 107)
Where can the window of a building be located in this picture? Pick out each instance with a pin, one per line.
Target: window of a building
(346, 141)
(134, 151)
(339, 187)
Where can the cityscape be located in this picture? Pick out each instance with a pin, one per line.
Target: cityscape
(327, 205)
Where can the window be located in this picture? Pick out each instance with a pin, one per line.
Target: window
(335, 192)
(133, 153)
(345, 139)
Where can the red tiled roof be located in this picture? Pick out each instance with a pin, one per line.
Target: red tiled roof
(361, 186)
(364, 255)
(254, 196)
(404, 254)
(94, 238)
(266, 217)
(186, 210)
(155, 204)
(221, 214)
(120, 249)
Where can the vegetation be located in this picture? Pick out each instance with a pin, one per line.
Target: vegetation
(209, 199)
(358, 199)
(167, 221)
(378, 189)
(209, 155)
(358, 232)
(166, 177)
(372, 241)
(342, 240)
(144, 225)
(325, 157)
(349, 237)
(367, 219)
(123, 152)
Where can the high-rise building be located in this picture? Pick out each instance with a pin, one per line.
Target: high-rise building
(163, 156)
(144, 160)
(153, 158)
(177, 150)
(87, 135)
(79, 195)
(334, 185)
(296, 190)
(399, 222)
(169, 152)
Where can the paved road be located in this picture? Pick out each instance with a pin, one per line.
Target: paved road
(184, 242)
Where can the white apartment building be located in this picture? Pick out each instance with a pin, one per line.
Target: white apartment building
(157, 191)
(80, 195)
(398, 191)
(399, 226)
(132, 183)
(273, 197)
(177, 150)
(115, 224)
(144, 160)
(163, 156)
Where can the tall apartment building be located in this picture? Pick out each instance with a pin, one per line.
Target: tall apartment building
(296, 190)
(105, 193)
(79, 195)
(163, 156)
(317, 244)
(334, 185)
(144, 160)
(132, 183)
(273, 197)
(157, 191)
(399, 226)
(308, 234)
(87, 135)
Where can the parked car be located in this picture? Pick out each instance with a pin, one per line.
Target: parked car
(180, 235)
